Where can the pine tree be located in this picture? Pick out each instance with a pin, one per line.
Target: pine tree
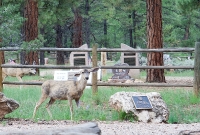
(154, 35)
(31, 29)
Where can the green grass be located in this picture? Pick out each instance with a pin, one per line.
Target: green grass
(183, 105)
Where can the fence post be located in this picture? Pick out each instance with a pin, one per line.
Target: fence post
(103, 62)
(1, 84)
(196, 85)
(94, 64)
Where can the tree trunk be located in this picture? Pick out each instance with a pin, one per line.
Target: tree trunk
(187, 33)
(87, 23)
(31, 29)
(42, 62)
(77, 37)
(154, 35)
(134, 28)
(105, 33)
(59, 54)
(131, 34)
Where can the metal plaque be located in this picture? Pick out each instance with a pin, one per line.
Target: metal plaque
(141, 102)
(79, 61)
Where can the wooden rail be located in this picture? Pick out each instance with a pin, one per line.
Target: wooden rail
(105, 49)
(94, 52)
(102, 67)
(112, 84)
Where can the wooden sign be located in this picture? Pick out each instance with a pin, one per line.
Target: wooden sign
(141, 102)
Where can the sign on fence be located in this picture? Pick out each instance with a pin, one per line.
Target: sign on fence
(60, 75)
(64, 75)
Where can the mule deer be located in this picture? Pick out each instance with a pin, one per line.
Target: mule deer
(16, 72)
(68, 90)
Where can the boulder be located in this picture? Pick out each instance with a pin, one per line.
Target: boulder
(7, 105)
(90, 128)
(122, 101)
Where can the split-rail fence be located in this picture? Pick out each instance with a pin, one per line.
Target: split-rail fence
(95, 50)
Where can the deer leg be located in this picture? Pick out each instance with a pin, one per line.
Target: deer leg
(3, 76)
(77, 102)
(42, 99)
(71, 107)
(51, 101)
(20, 80)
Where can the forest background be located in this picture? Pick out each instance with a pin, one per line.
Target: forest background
(107, 23)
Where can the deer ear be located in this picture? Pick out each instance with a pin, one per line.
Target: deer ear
(77, 74)
(94, 69)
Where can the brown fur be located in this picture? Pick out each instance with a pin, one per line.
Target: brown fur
(17, 72)
(68, 90)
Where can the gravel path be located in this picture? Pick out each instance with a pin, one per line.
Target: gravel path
(107, 128)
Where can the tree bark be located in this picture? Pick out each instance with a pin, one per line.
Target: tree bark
(77, 26)
(134, 28)
(154, 35)
(59, 54)
(87, 23)
(131, 34)
(105, 33)
(31, 29)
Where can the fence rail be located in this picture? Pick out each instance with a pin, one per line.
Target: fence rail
(94, 51)
(102, 67)
(112, 84)
(104, 49)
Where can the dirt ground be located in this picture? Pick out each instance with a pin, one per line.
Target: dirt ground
(108, 127)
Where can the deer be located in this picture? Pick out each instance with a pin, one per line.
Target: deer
(17, 72)
(64, 90)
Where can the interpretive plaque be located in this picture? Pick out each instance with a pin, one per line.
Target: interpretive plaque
(79, 58)
(65, 75)
(132, 59)
(141, 102)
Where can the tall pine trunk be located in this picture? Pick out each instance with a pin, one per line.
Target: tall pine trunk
(154, 35)
(134, 28)
(2, 59)
(131, 33)
(105, 33)
(77, 26)
(31, 29)
(87, 23)
(59, 54)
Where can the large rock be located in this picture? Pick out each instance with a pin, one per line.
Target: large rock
(89, 128)
(7, 105)
(122, 101)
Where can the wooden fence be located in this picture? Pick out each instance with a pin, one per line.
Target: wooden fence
(95, 50)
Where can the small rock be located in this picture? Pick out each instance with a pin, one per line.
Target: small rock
(188, 132)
